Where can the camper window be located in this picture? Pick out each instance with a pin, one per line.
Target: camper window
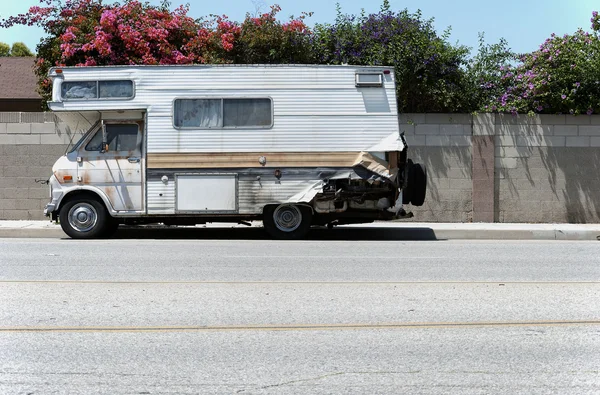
(85, 90)
(246, 112)
(79, 90)
(223, 113)
(199, 113)
(120, 89)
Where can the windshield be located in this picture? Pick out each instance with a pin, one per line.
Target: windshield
(73, 147)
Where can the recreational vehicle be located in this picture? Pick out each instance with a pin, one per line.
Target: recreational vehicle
(293, 146)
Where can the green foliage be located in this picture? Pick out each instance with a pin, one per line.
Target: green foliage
(265, 39)
(484, 73)
(4, 49)
(562, 76)
(430, 72)
(20, 49)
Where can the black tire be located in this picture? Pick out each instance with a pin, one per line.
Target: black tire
(287, 221)
(417, 184)
(406, 193)
(86, 217)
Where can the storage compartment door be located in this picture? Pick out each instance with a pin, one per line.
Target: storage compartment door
(207, 193)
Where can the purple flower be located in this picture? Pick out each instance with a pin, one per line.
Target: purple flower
(577, 84)
(539, 108)
(590, 111)
(563, 97)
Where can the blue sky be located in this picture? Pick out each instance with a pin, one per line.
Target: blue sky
(524, 23)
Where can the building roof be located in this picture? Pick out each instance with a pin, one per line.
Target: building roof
(17, 79)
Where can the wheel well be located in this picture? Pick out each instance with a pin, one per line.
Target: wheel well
(274, 205)
(79, 194)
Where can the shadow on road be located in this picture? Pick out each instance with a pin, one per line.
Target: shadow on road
(409, 234)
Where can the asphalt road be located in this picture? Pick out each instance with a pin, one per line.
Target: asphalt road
(145, 316)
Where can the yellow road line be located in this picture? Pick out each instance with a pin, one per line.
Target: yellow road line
(299, 282)
(296, 327)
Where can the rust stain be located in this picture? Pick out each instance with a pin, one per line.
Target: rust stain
(85, 177)
(109, 191)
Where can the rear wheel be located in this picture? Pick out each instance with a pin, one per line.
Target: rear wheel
(85, 217)
(287, 221)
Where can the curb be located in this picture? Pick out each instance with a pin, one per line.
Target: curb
(376, 231)
(31, 233)
(497, 234)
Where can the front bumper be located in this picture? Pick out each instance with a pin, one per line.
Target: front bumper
(49, 209)
(56, 194)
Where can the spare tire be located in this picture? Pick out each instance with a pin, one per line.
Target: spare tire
(416, 187)
(417, 183)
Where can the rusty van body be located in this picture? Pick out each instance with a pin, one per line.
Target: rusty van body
(293, 146)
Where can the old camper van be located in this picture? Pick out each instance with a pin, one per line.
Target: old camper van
(293, 146)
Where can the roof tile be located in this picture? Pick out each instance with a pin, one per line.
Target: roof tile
(17, 79)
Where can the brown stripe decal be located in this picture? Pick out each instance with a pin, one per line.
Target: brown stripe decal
(251, 159)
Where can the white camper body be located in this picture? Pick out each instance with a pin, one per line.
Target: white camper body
(300, 145)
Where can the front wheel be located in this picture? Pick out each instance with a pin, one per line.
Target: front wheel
(86, 218)
(287, 221)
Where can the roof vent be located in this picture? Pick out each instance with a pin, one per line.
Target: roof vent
(369, 79)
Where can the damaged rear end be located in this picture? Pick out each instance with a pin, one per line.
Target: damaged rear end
(376, 189)
(377, 186)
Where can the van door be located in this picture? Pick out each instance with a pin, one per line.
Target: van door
(117, 171)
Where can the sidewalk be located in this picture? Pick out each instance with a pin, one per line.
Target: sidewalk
(441, 231)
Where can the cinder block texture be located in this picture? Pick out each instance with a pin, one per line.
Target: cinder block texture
(553, 184)
(21, 197)
(449, 183)
(483, 178)
(544, 168)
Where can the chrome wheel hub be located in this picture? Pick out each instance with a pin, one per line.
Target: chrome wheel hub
(83, 217)
(287, 218)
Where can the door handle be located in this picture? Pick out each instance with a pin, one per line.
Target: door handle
(133, 160)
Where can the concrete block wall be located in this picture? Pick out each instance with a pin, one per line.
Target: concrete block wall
(30, 143)
(485, 167)
(520, 168)
(442, 142)
(547, 168)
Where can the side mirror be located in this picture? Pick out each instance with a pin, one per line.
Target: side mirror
(104, 146)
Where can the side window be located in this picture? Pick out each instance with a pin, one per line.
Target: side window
(113, 89)
(95, 143)
(120, 137)
(78, 90)
(223, 113)
(199, 113)
(246, 112)
(86, 90)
